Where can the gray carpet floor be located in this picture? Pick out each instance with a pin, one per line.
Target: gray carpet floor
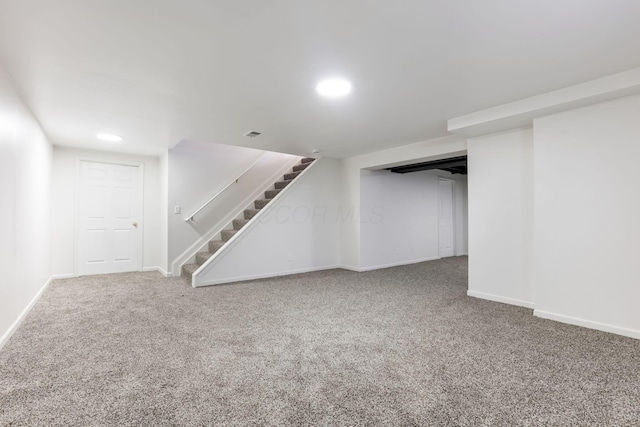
(400, 346)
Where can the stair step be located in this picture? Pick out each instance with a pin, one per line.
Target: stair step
(202, 257)
(307, 160)
(214, 245)
(281, 184)
(270, 194)
(250, 213)
(239, 223)
(189, 269)
(291, 175)
(298, 168)
(259, 204)
(227, 234)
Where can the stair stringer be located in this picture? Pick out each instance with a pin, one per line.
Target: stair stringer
(202, 276)
(199, 245)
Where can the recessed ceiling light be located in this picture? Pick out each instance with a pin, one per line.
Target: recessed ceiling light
(109, 137)
(333, 88)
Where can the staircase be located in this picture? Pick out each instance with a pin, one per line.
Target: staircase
(237, 224)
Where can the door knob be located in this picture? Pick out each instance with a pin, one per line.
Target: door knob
(135, 224)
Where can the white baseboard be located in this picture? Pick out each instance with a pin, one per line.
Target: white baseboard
(159, 270)
(350, 268)
(393, 264)
(12, 329)
(627, 332)
(63, 276)
(265, 276)
(498, 298)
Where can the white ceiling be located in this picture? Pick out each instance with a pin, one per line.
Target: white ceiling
(158, 71)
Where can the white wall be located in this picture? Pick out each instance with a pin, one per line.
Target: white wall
(25, 190)
(399, 221)
(587, 209)
(65, 162)
(462, 216)
(350, 244)
(197, 171)
(164, 212)
(299, 232)
(500, 191)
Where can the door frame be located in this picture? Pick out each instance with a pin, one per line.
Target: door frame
(453, 214)
(76, 217)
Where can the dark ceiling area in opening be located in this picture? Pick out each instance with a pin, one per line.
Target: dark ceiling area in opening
(455, 165)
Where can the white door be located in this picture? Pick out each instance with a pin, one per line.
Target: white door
(109, 212)
(446, 218)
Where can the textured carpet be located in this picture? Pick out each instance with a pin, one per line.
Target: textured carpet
(401, 346)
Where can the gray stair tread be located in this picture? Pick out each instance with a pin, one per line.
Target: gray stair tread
(291, 175)
(301, 167)
(270, 194)
(189, 269)
(281, 184)
(239, 223)
(261, 203)
(214, 245)
(250, 213)
(228, 234)
(307, 160)
(202, 257)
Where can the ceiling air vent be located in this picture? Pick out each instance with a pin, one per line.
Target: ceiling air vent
(252, 134)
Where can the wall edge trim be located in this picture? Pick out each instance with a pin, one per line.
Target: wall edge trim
(16, 324)
(265, 276)
(590, 324)
(393, 264)
(159, 270)
(501, 299)
(63, 276)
